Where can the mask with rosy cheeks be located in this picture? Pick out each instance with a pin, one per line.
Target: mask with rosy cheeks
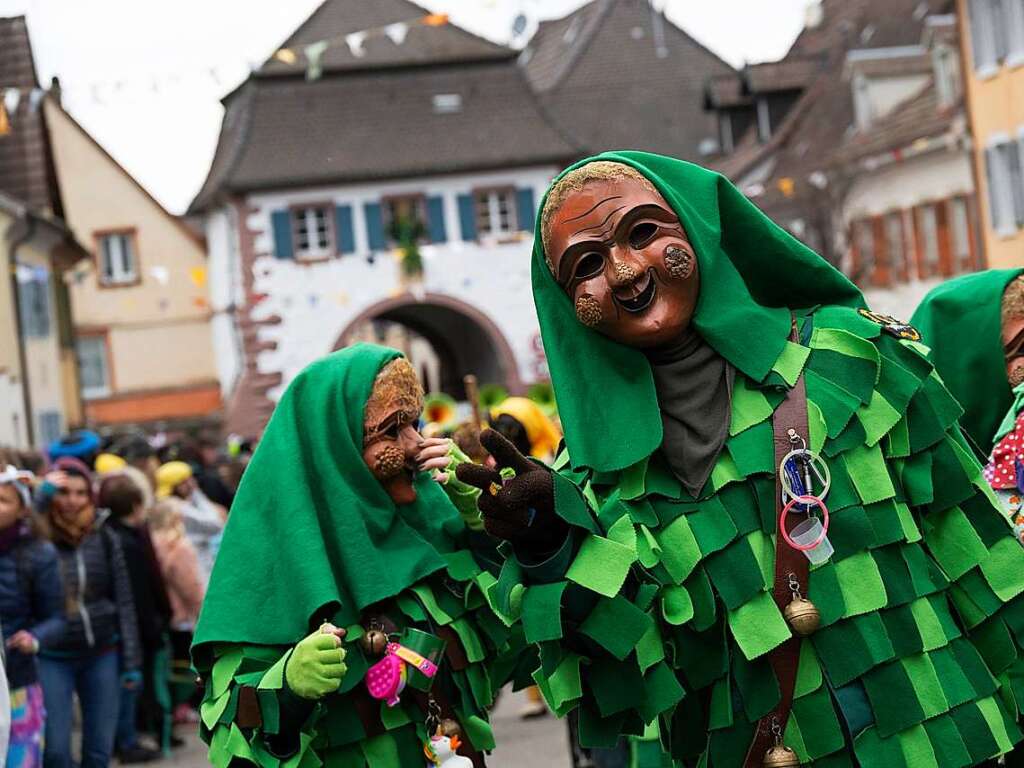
(390, 438)
(620, 253)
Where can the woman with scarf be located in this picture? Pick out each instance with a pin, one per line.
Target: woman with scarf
(99, 646)
(348, 619)
(31, 614)
(723, 390)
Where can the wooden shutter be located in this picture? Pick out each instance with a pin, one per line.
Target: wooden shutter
(344, 230)
(525, 209)
(995, 194)
(281, 221)
(435, 219)
(374, 226)
(467, 217)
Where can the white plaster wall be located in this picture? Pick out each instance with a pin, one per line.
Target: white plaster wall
(900, 301)
(884, 93)
(914, 181)
(225, 292)
(318, 301)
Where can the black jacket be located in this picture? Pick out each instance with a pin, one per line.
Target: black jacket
(32, 598)
(152, 606)
(98, 600)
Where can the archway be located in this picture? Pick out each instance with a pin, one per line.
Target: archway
(462, 337)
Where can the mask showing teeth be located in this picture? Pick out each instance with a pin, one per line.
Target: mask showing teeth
(588, 310)
(678, 262)
(390, 461)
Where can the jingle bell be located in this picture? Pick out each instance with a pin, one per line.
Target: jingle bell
(802, 615)
(374, 642)
(781, 757)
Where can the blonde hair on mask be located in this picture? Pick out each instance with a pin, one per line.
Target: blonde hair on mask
(574, 181)
(1013, 300)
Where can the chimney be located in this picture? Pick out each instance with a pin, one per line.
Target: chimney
(55, 89)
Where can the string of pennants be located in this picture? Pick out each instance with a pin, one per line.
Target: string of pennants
(308, 56)
(11, 99)
(312, 54)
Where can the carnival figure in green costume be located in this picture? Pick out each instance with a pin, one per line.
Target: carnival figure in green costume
(347, 619)
(720, 387)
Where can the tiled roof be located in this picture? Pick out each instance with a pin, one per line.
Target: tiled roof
(725, 91)
(615, 76)
(786, 75)
(422, 45)
(24, 167)
(283, 132)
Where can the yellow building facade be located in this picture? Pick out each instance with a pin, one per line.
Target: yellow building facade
(139, 304)
(993, 56)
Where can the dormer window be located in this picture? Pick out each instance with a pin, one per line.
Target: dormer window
(447, 103)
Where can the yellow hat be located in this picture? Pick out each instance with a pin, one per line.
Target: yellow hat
(542, 433)
(108, 462)
(169, 476)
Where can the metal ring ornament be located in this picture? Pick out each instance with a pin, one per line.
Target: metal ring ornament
(808, 500)
(815, 461)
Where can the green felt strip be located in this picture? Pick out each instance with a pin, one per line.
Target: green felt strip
(870, 477)
(273, 679)
(819, 724)
(893, 698)
(875, 752)
(826, 594)
(676, 605)
(993, 640)
(844, 343)
(990, 710)
(757, 686)
(895, 383)
(837, 406)
(955, 686)
(949, 481)
(565, 683)
(808, 672)
(571, 506)
(974, 668)
(749, 406)
(899, 440)
(237, 744)
(662, 692)
(720, 707)
(851, 437)
(911, 532)
(877, 418)
(816, 427)
(791, 362)
(631, 482)
(1003, 569)
(650, 649)
(381, 751)
(724, 472)
(616, 686)
(762, 547)
(758, 626)
(975, 732)
(711, 526)
(861, 584)
(751, 450)
(616, 625)
(679, 549)
(853, 374)
(542, 612)
(461, 565)
(470, 639)
(223, 670)
(928, 625)
(794, 739)
(433, 606)
(946, 741)
(735, 573)
(393, 717)
(917, 748)
(211, 709)
(854, 707)
(705, 607)
(479, 731)
(917, 479)
(648, 549)
(601, 565)
(925, 680)
(902, 629)
(623, 532)
(876, 639)
(925, 575)
(480, 685)
(895, 574)
(850, 532)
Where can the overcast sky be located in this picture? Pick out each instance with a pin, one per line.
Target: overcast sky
(145, 77)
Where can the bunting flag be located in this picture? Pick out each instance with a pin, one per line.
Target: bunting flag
(313, 53)
(5, 121)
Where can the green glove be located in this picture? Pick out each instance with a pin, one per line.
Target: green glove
(317, 664)
(462, 495)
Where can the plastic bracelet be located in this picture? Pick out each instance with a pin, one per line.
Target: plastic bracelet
(824, 523)
(409, 656)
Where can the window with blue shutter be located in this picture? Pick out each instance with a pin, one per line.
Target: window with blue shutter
(281, 221)
(374, 226)
(345, 230)
(467, 217)
(435, 219)
(525, 211)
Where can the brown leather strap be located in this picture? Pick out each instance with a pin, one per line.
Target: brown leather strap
(789, 424)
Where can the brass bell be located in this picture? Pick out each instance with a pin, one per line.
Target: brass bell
(374, 642)
(780, 757)
(802, 615)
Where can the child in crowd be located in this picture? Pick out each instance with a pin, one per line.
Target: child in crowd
(99, 646)
(31, 613)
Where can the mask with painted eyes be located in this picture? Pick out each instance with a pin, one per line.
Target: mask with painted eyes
(391, 440)
(620, 253)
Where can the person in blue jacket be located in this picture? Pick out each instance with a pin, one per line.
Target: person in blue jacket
(31, 613)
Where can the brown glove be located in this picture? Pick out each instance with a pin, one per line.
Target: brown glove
(520, 509)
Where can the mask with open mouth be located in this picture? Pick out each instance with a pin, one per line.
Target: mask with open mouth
(390, 438)
(620, 253)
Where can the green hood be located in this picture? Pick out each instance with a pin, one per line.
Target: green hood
(752, 274)
(961, 321)
(311, 530)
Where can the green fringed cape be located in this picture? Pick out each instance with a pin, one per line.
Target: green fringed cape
(659, 608)
(960, 321)
(313, 536)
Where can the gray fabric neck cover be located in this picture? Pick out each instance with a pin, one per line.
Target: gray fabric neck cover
(694, 387)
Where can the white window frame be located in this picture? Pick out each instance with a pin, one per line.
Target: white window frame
(928, 227)
(94, 390)
(947, 75)
(959, 233)
(305, 216)
(487, 210)
(896, 247)
(1004, 176)
(1013, 13)
(120, 265)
